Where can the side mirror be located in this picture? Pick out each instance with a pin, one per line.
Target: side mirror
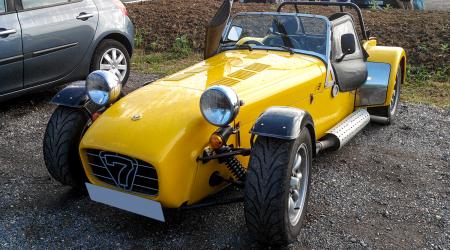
(348, 45)
(234, 34)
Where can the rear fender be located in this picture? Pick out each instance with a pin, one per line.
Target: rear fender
(383, 65)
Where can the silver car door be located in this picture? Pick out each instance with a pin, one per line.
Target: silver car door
(11, 57)
(56, 36)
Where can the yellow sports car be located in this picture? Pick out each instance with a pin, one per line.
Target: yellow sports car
(275, 90)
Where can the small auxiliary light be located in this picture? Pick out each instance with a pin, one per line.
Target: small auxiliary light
(215, 141)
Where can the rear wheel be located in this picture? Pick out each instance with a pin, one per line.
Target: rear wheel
(389, 112)
(61, 140)
(112, 56)
(277, 188)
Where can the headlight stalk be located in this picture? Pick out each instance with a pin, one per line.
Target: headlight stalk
(226, 153)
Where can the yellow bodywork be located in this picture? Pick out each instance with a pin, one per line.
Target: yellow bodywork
(171, 132)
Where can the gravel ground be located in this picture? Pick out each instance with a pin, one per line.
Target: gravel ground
(388, 188)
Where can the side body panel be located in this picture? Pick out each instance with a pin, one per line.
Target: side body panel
(111, 23)
(11, 56)
(393, 56)
(55, 44)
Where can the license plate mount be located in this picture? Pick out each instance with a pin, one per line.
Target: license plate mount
(131, 203)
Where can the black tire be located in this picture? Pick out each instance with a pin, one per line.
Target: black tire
(61, 142)
(101, 49)
(390, 111)
(268, 189)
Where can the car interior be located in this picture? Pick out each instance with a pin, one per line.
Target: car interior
(348, 58)
(304, 33)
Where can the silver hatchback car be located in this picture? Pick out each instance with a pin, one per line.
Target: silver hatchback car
(49, 42)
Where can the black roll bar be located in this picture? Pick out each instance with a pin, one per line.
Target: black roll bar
(341, 6)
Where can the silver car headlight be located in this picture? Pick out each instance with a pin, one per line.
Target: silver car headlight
(219, 105)
(103, 87)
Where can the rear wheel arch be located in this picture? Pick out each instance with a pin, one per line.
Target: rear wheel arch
(403, 69)
(120, 38)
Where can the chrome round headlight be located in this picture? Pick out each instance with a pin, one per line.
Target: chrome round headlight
(103, 87)
(219, 105)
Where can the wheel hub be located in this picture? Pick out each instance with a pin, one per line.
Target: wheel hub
(298, 185)
(114, 61)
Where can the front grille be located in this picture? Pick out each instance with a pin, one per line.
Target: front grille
(124, 172)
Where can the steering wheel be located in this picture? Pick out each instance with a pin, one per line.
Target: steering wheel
(254, 42)
(277, 40)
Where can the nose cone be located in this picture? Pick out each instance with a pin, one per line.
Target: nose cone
(160, 125)
(148, 122)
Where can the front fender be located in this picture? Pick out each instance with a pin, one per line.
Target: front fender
(282, 122)
(73, 96)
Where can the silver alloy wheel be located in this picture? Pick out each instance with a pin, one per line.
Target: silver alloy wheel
(298, 184)
(395, 97)
(114, 61)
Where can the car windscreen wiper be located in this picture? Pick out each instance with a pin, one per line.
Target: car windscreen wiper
(240, 46)
(286, 48)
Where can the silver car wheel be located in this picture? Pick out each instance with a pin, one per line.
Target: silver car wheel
(298, 184)
(114, 61)
(395, 97)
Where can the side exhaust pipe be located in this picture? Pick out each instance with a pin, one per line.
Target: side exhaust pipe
(344, 131)
(379, 119)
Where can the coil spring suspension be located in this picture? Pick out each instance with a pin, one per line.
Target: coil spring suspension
(235, 166)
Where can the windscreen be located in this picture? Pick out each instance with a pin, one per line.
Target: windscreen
(274, 31)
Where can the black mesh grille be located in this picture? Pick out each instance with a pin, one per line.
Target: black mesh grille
(123, 171)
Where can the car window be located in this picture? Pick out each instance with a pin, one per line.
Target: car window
(2, 6)
(29, 4)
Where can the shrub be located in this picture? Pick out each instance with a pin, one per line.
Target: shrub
(181, 47)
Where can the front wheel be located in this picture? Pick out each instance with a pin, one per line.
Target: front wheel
(277, 188)
(61, 140)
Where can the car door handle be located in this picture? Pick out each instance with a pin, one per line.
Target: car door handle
(84, 16)
(7, 32)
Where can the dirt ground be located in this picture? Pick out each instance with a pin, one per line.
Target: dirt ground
(387, 189)
(424, 35)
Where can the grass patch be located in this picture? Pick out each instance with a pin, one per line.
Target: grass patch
(427, 86)
(164, 63)
(429, 92)
(179, 57)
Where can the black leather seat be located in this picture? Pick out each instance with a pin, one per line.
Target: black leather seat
(351, 72)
